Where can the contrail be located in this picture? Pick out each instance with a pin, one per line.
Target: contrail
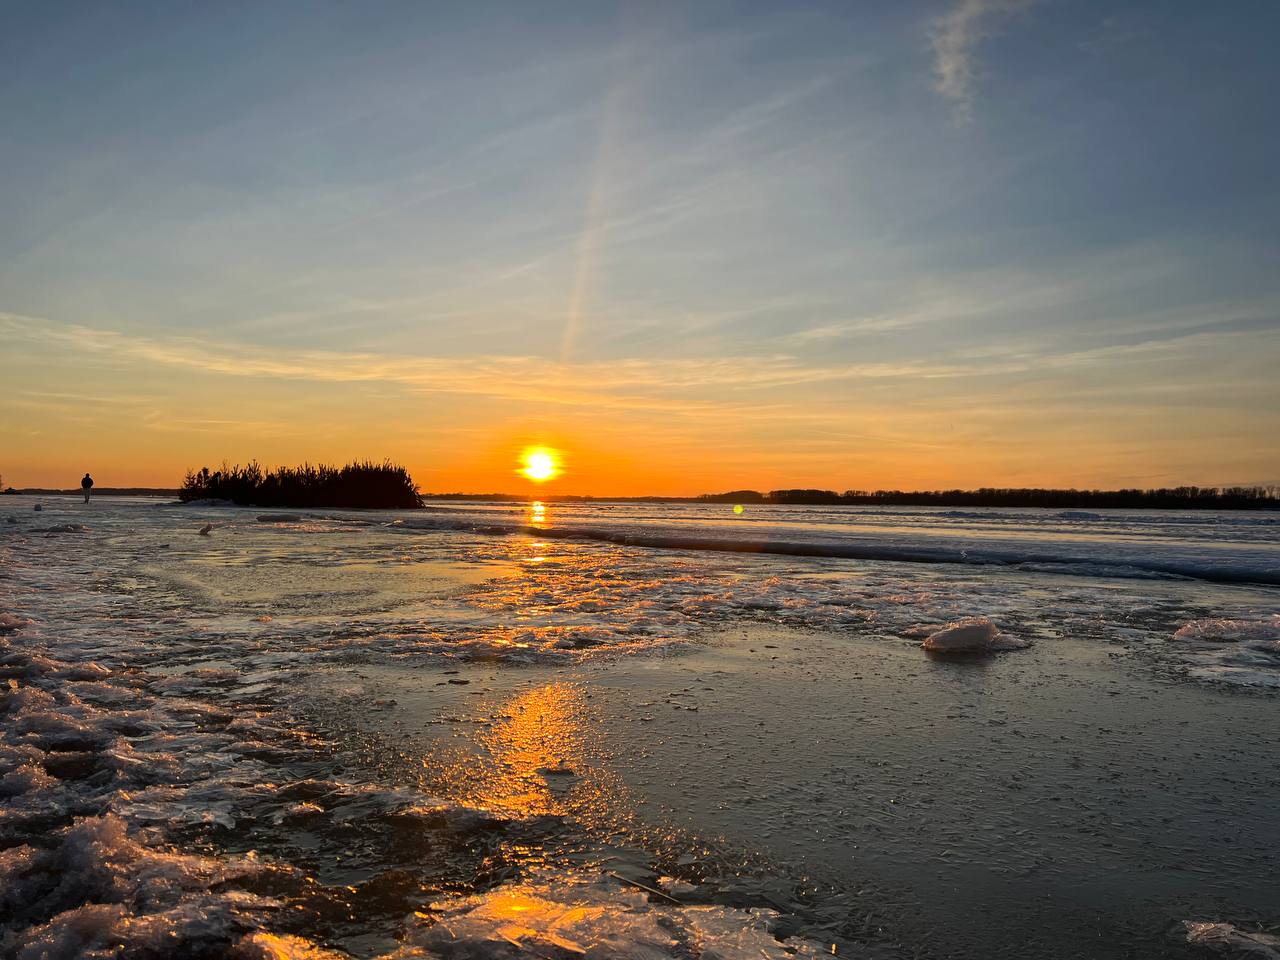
(594, 227)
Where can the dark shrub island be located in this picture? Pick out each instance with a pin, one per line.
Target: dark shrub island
(383, 485)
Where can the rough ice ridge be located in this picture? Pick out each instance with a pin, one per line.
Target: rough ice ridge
(595, 918)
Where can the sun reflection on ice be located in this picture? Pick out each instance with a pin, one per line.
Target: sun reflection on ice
(535, 750)
(535, 760)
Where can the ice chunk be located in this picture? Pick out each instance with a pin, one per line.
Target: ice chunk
(1227, 938)
(1251, 632)
(593, 918)
(1239, 652)
(11, 621)
(971, 635)
(25, 778)
(270, 946)
(100, 890)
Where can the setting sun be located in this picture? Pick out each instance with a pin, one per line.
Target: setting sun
(539, 464)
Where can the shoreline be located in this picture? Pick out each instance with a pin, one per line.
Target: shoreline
(925, 503)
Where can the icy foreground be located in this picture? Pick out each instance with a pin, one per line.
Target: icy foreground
(95, 766)
(77, 744)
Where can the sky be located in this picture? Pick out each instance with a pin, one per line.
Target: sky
(694, 247)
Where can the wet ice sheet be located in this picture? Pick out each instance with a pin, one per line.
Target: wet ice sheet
(956, 798)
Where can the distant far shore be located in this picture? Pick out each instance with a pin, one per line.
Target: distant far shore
(97, 492)
(1173, 498)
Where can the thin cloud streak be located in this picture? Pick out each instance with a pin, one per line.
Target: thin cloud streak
(634, 383)
(668, 385)
(954, 37)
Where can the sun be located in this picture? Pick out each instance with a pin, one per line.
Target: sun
(540, 464)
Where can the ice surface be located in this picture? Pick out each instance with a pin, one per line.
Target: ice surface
(266, 587)
(147, 677)
(1222, 547)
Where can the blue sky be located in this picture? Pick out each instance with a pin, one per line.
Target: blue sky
(849, 244)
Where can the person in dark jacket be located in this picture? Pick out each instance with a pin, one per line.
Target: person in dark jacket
(86, 485)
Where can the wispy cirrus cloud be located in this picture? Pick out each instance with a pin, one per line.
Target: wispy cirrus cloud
(684, 385)
(691, 386)
(954, 37)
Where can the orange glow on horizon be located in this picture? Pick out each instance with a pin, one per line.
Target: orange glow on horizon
(608, 457)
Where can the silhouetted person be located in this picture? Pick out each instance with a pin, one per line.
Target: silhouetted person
(86, 485)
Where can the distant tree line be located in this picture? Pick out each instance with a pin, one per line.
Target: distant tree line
(1164, 498)
(383, 485)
